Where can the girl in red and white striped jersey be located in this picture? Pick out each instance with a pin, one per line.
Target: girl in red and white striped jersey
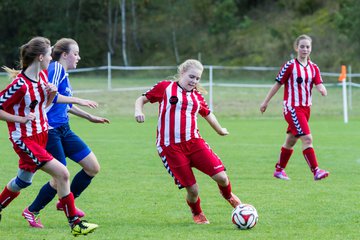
(298, 77)
(179, 143)
(28, 93)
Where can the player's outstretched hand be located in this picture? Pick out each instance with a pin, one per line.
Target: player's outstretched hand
(30, 117)
(140, 118)
(223, 132)
(263, 107)
(87, 103)
(96, 119)
(50, 88)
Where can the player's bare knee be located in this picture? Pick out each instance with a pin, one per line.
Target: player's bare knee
(307, 140)
(92, 170)
(193, 190)
(221, 178)
(64, 176)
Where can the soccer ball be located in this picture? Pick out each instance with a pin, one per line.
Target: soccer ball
(244, 216)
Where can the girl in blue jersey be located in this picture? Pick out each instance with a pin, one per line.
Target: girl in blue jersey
(62, 142)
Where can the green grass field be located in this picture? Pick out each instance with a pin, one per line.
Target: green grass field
(133, 197)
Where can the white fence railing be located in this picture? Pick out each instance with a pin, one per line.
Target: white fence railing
(347, 93)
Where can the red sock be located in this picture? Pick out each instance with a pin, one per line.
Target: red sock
(310, 158)
(225, 191)
(7, 196)
(68, 204)
(284, 157)
(195, 207)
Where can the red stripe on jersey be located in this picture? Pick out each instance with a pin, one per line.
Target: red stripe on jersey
(42, 105)
(193, 129)
(183, 110)
(298, 96)
(32, 98)
(306, 87)
(161, 123)
(171, 116)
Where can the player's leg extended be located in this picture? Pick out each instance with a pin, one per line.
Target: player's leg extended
(13, 188)
(90, 167)
(178, 166)
(224, 185)
(48, 191)
(61, 175)
(284, 157)
(310, 157)
(193, 200)
(77, 150)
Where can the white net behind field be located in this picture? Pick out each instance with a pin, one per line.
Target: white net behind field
(233, 91)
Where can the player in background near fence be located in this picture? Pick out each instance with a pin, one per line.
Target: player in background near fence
(179, 143)
(298, 77)
(28, 93)
(63, 142)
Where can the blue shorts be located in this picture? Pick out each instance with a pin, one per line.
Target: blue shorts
(62, 143)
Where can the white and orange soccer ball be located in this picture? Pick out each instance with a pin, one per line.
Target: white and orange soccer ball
(244, 216)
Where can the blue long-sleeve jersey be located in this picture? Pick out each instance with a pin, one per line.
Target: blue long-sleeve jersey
(57, 113)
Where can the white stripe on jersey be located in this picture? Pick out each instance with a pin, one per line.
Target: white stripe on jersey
(57, 73)
(189, 108)
(195, 120)
(177, 116)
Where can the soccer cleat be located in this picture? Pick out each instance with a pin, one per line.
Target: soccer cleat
(320, 174)
(200, 219)
(281, 175)
(32, 218)
(234, 200)
(80, 213)
(83, 228)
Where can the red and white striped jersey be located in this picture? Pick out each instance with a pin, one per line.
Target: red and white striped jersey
(298, 81)
(21, 97)
(178, 111)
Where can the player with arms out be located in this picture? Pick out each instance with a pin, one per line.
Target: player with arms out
(179, 143)
(31, 92)
(63, 142)
(298, 77)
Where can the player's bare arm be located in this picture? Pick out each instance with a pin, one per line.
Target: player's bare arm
(269, 96)
(211, 119)
(83, 114)
(321, 88)
(76, 100)
(15, 118)
(139, 107)
(51, 90)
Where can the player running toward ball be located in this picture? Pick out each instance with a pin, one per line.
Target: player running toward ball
(63, 142)
(28, 93)
(298, 77)
(179, 143)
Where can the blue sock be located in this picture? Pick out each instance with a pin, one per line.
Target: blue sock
(45, 195)
(80, 182)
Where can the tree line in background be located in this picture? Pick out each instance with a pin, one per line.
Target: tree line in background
(166, 32)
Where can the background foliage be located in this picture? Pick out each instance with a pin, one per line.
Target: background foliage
(165, 32)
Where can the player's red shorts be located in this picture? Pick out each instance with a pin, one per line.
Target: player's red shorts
(297, 118)
(180, 158)
(31, 151)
